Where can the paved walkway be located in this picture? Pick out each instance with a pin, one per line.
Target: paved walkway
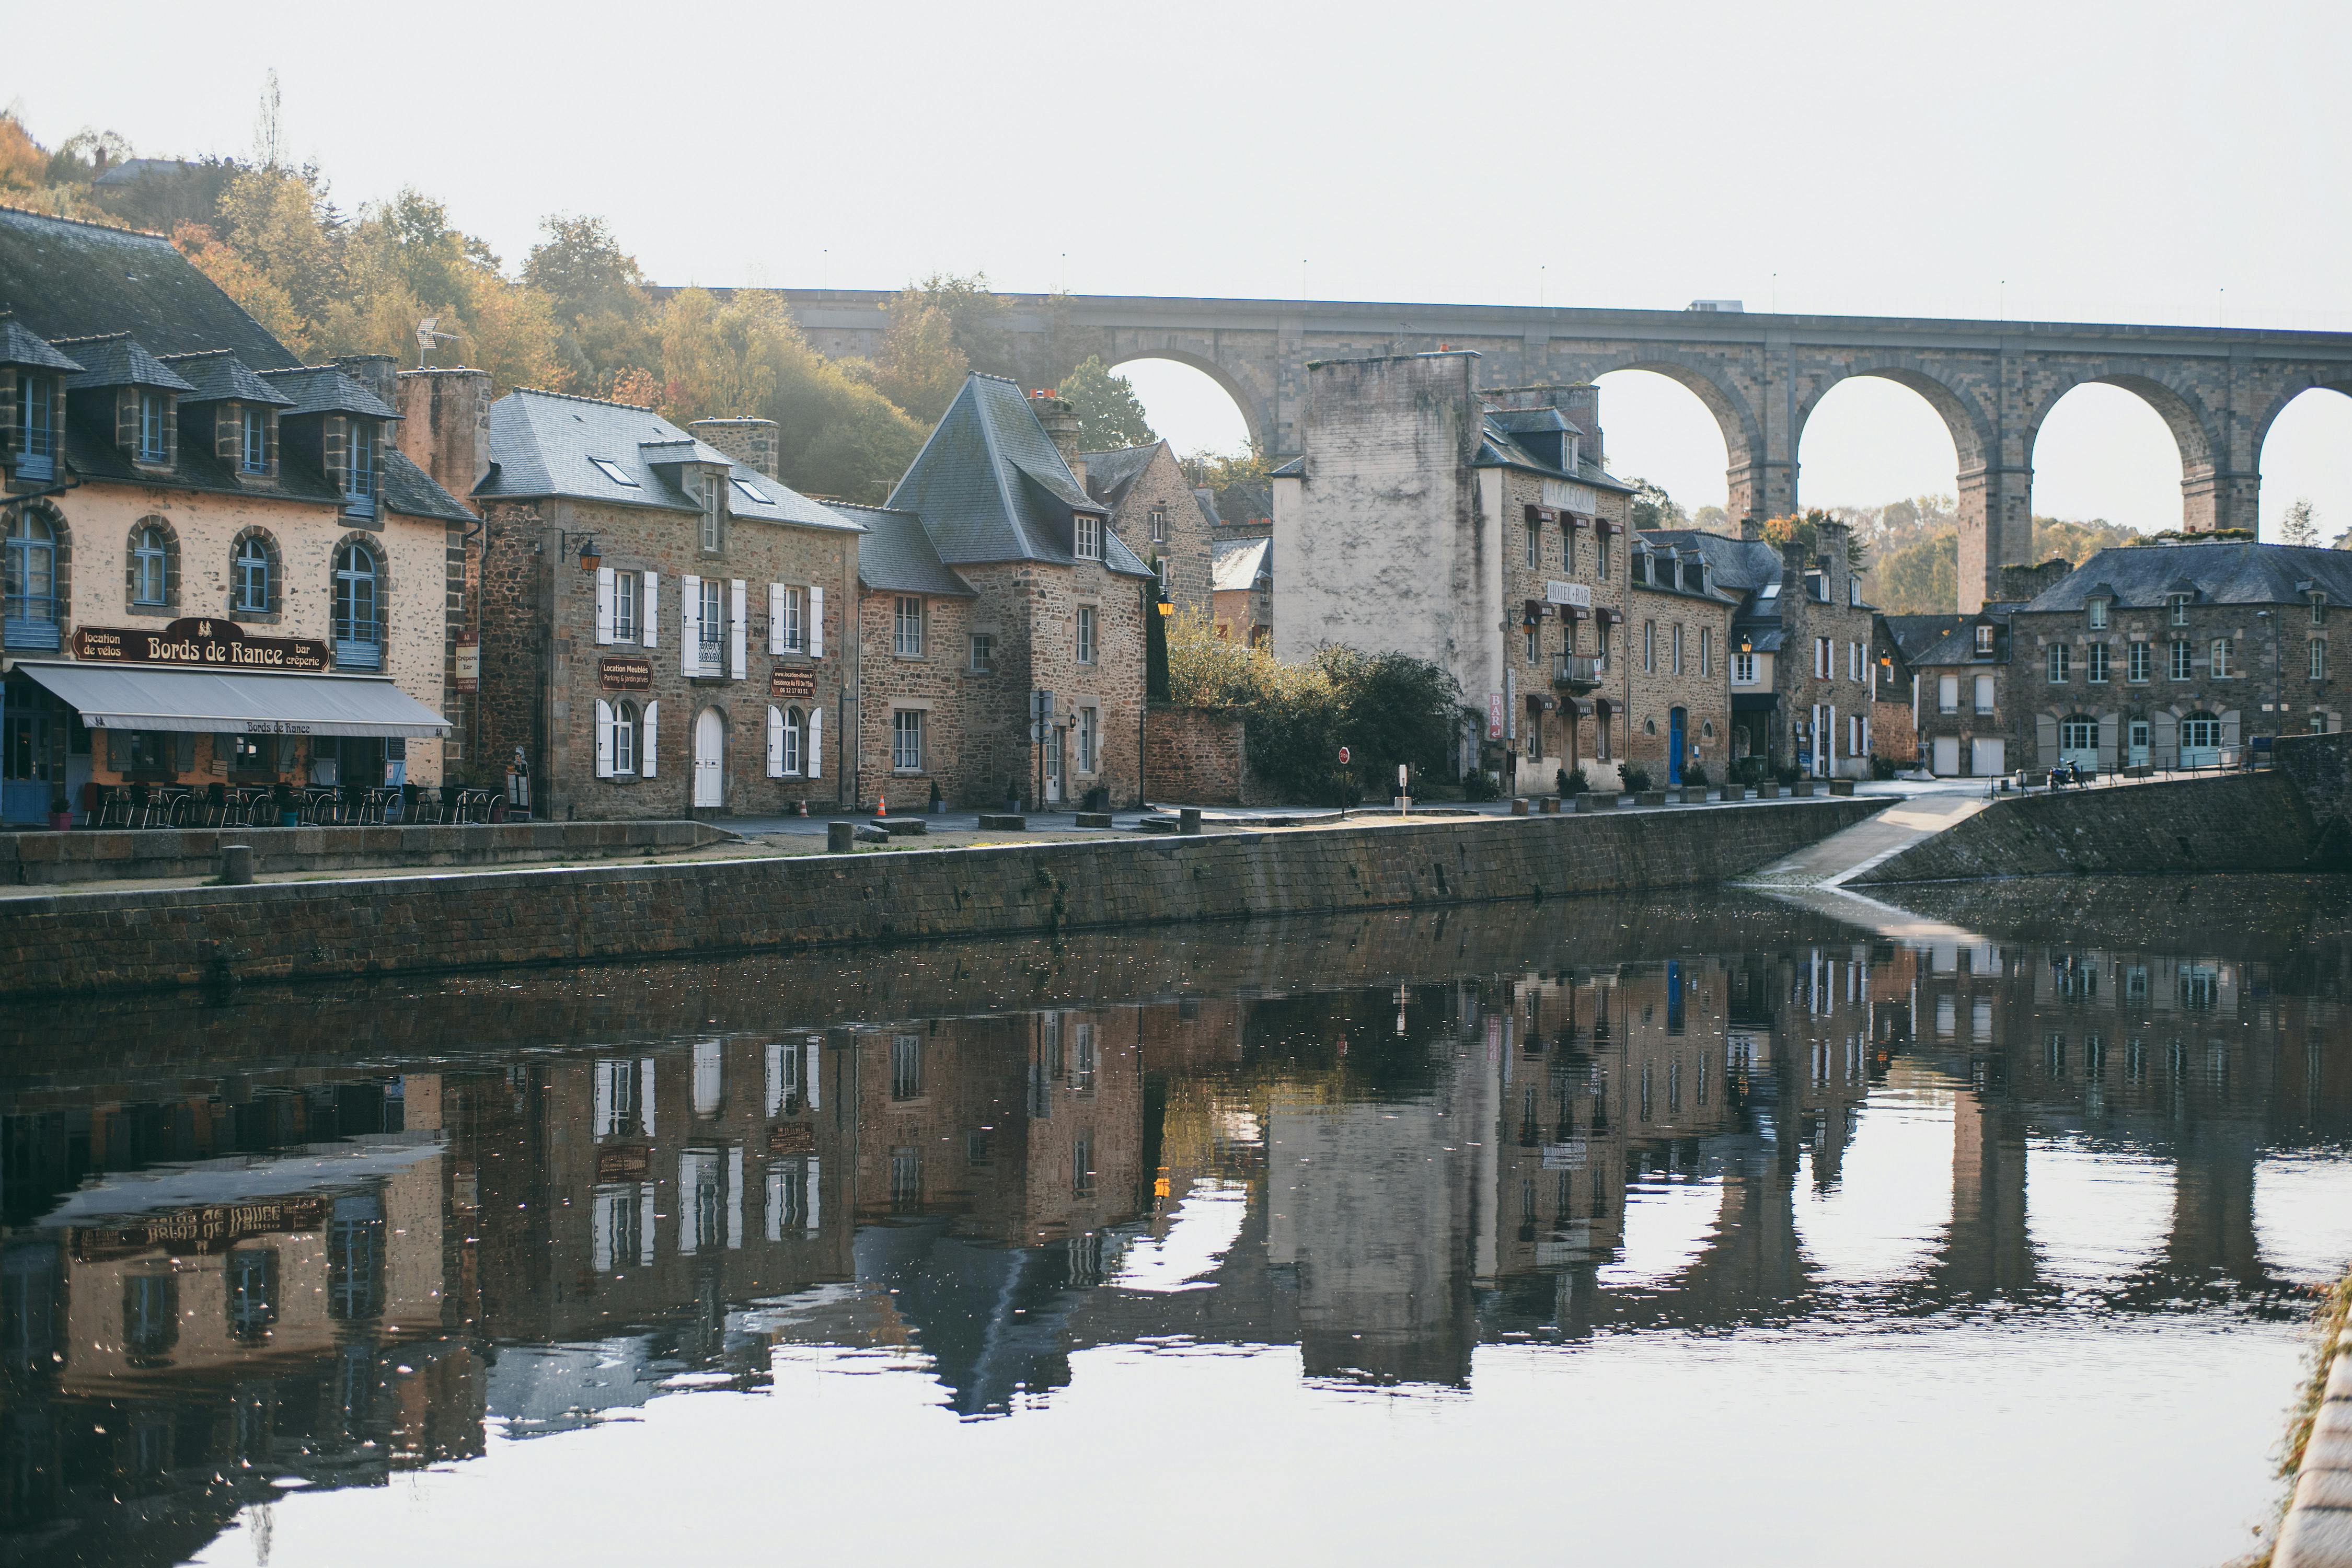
(1815, 876)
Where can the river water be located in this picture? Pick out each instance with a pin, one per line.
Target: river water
(1704, 1229)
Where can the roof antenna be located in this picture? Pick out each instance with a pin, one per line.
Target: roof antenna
(426, 336)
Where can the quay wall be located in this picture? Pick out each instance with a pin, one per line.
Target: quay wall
(41, 859)
(101, 941)
(2231, 822)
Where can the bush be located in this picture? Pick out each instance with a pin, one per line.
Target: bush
(1788, 772)
(1695, 777)
(1637, 779)
(1748, 771)
(1479, 787)
(1881, 768)
(1574, 782)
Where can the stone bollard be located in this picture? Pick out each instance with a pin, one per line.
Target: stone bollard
(236, 865)
(1188, 820)
(1518, 805)
(840, 837)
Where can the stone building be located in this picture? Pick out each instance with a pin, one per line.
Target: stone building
(1677, 632)
(1243, 604)
(1057, 594)
(218, 569)
(1804, 674)
(662, 623)
(1477, 529)
(923, 667)
(2177, 655)
(1961, 678)
(1154, 506)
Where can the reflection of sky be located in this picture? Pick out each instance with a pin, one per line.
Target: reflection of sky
(1892, 1200)
(2302, 1214)
(1667, 1227)
(2095, 1215)
(1204, 1229)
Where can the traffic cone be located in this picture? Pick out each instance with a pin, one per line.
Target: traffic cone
(883, 808)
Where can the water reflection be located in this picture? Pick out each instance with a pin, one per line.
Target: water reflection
(515, 1210)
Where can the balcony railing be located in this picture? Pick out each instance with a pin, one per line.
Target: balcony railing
(1577, 670)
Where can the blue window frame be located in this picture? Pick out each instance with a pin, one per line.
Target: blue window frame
(151, 561)
(29, 582)
(152, 406)
(256, 455)
(360, 479)
(252, 569)
(37, 426)
(359, 638)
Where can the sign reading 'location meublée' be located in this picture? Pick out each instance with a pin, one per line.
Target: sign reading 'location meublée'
(202, 641)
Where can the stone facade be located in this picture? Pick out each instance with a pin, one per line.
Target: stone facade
(1681, 679)
(955, 703)
(1199, 756)
(1155, 511)
(1825, 676)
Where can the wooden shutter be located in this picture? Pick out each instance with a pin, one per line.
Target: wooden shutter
(2230, 726)
(2110, 731)
(775, 742)
(2045, 740)
(817, 623)
(652, 616)
(2164, 739)
(689, 626)
(738, 607)
(649, 747)
(775, 617)
(603, 738)
(814, 762)
(603, 605)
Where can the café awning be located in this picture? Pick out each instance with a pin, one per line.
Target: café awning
(147, 697)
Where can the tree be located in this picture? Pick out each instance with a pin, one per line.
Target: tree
(1653, 508)
(1714, 520)
(1108, 414)
(920, 368)
(24, 166)
(2297, 526)
(975, 317)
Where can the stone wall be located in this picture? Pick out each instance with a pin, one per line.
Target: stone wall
(1199, 756)
(46, 859)
(940, 684)
(2234, 822)
(1700, 686)
(2321, 767)
(86, 942)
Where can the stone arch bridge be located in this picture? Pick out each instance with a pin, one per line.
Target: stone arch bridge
(1762, 375)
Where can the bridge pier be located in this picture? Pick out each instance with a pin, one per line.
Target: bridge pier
(2213, 496)
(1996, 529)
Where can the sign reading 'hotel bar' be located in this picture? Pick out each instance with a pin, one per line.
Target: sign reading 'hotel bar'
(201, 642)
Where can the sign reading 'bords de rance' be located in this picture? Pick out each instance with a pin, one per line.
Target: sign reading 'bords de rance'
(200, 641)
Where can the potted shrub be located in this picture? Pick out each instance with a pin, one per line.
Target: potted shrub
(60, 809)
(281, 801)
(1694, 783)
(1573, 783)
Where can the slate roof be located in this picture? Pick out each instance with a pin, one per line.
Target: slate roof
(1110, 475)
(895, 556)
(325, 389)
(409, 490)
(132, 170)
(1743, 565)
(1240, 563)
(1499, 447)
(990, 485)
(2141, 576)
(18, 346)
(540, 444)
(118, 360)
(216, 375)
(64, 279)
(1915, 634)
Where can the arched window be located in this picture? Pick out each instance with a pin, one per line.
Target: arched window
(152, 577)
(29, 577)
(359, 636)
(253, 576)
(2201, 740)
(2078, 739)
(625, 737)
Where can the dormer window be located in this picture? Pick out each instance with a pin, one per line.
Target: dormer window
(360, 469)
(1089, 537)
(154, 425)
(36, 425)
(2099, 608)
(1984, 642)
(2179, 602)
(714, 499)
(253, 440)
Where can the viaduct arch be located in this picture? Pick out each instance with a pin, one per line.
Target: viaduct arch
(1992, 382)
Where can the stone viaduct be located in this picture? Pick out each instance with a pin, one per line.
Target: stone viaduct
(1762, 375)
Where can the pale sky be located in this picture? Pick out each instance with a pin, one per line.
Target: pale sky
(2156, 162)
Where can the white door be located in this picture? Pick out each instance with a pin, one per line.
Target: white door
(1948, 755)
(710, 749)
(2138, 750)
(1987, 758)
(1054, 765)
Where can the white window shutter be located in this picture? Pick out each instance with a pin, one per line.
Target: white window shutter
(603, 738)
(653, 609)
(604, 604)
(649, 752)
(738, 605)
(775, 742)
(817, 623)
(814, 763)
(689, 626)
(775, 617)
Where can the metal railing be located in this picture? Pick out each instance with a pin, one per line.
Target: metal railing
(1577, 670)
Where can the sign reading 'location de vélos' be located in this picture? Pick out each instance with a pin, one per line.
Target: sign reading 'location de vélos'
(200, 641)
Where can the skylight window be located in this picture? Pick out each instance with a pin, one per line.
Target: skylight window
(753, 491)
(1771, 591)
(614, 472)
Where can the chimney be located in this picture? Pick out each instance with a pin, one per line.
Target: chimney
(1751, 527)
(1061, 423)
(1582, 404)
(750, 442)
(374, 372)
(444, 424)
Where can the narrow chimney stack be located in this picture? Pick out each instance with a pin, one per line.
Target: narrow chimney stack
(374, 372)
(1061, 422)
(1581, 405)
(754, 443)
(444, 424)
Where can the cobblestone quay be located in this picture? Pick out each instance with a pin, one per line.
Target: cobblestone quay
(101, 941)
